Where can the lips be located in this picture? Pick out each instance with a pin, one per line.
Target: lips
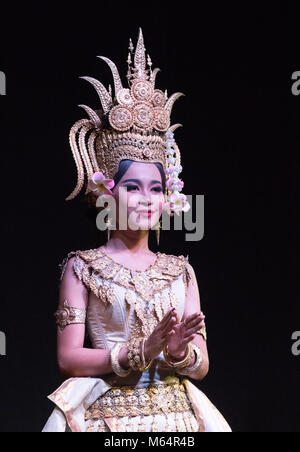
(147, 213)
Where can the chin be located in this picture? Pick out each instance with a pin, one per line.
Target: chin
(144, 224)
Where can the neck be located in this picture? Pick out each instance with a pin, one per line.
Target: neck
(134, 241)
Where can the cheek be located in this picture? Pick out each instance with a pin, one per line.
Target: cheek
(128, 200)
(158, 202)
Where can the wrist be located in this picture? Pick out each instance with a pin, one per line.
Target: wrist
(177, 363)
(179, 355)
(123, 359)
(146, 352)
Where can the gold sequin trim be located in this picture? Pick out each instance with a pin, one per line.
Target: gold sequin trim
(186, 276)
(157, 399)
(93, 265)
(100, 274)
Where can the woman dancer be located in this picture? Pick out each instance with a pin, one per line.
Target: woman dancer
(141, 309)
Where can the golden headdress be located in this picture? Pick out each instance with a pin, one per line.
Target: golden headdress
(133, 124)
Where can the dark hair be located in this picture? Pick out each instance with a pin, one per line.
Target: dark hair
(124, 165)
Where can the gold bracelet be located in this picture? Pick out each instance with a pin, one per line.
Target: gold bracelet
(134, 353)
(136, 356)
(178, 364)
(144, 365)
(115, 364)
(197, 364)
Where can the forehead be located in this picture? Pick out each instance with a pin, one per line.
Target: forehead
(143, 170)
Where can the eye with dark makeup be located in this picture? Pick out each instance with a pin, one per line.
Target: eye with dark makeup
(133, 187)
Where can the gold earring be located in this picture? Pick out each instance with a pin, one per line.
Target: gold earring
(107, 221)
(157, 232)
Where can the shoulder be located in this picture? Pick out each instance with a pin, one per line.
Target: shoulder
(76, 260)
(179, 257)
(75, 270)
(172, 264)
(190, 269)
(186, 268)
(175, 258)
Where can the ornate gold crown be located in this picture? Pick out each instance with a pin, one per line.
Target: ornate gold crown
(131, 125)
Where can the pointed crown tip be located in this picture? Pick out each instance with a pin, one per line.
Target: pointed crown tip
(141, 36)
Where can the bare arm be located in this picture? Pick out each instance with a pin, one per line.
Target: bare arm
(192, 306)
(73, 359)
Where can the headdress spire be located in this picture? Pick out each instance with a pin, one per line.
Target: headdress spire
(140, 58)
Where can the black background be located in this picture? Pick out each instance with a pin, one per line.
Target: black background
(240, 149)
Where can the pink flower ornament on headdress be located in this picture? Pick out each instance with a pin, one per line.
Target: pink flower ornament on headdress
(176, 201)
(100, 185)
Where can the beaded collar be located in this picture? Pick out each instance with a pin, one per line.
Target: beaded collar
(90, 265)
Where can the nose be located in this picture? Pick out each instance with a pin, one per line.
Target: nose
(146, 200)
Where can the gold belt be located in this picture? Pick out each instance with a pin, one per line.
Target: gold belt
(120, 401)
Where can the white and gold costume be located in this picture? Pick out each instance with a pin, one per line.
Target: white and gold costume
(122, 303)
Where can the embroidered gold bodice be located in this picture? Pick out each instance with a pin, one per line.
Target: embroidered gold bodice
(123, 301)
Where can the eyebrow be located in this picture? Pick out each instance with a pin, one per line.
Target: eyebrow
(138, 181)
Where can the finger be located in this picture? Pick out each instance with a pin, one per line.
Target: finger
(168, 330)
(192, 317)
(170, 334)
(168, 315)
(170, 324)
(166, 326)
(194, 322)
(166, 318)
(188, 339)
(177, 317)
(193, 330)
(199, 324)
(166, 336)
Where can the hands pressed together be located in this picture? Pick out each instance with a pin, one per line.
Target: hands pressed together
(173, 333)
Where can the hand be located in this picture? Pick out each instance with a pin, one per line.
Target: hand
(160, 335)
(183, 333)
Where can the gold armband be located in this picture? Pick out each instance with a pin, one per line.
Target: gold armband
(66, 315)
